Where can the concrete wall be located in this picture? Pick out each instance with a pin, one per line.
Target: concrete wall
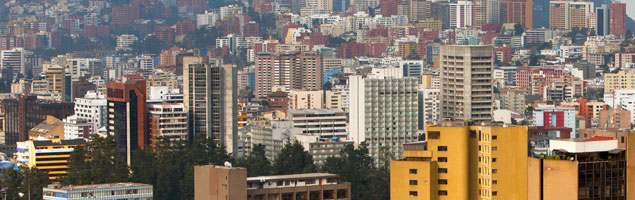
(219, 183)
(400, 177)
(560, 180)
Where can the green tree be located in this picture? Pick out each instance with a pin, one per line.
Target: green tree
(356, 167)
(518, 29)
(150, 44)
(293, 159)
(256, 163)
(34, 180)
(12, 183)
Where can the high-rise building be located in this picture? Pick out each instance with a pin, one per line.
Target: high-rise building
(127, 116)
(210, 98)
(564, 15)
(25, 112)
(602, 24)
(617, 19)
(196, 92)
(288, 71)
(459, 161)
(13, 61)
(224, 106)
(479, 12)
(92, 108)
(383, 114)
(461, 14)
(517, 12)
(467, 84)
(419, 10)
(169, 121)
(56, 77)
(493, 12)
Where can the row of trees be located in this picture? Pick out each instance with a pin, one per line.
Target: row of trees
(169, 167)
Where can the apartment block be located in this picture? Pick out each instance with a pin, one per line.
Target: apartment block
(325, 123)
(461, 161)
(517, 12)
(564, 15)
(622, 80)
(383, 114)
(211, 99)
(107, 191)
(49, 156)
(467, 83)
(617, 18)
(167, 121)
(550, 116)
(615, 118)
(288, 71)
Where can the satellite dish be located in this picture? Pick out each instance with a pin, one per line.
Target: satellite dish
(228, 164)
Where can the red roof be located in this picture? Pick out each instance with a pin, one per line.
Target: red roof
(598, 138)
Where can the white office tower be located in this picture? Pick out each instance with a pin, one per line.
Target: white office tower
(383, 113)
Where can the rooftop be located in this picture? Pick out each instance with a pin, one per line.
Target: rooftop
(316, 111)
(292, 176)
(96, 186)
(37, 143)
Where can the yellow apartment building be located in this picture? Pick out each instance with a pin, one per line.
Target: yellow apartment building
(460, 161)
(50, 156)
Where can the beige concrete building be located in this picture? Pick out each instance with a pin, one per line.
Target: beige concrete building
(615, 119)
(219, 183)
(56, 80)
(298, 186)
(210, 99)
(624, 79)
(467, 84)
(288, 71)
(564, 15)
(299, 99)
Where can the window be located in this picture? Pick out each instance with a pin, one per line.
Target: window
(442, 181)
(442, 193)
(434, 134)
(443, 159)
(494, 171)
(622, 139)
(442, 148)
(494, 193)
(442, 170)
(494, 182)
(413, 193)
(472, 134)
(494, 149)
(413, 182)
(494, 159)
(494, 137)
(413, 171)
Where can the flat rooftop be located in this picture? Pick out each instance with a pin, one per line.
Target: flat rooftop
(96, 186)
(316, 111)
(292, 177)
